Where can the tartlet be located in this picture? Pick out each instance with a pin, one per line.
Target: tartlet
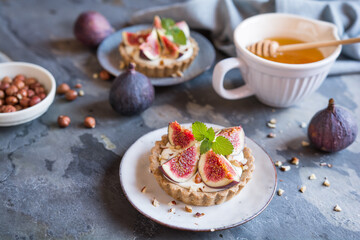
(194, 196)
(156, 53)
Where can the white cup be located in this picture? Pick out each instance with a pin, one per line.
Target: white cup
(276, 84)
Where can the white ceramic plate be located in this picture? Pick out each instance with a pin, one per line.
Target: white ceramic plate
(252, 200)
(109, 56)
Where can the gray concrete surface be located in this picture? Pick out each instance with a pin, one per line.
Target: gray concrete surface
(64, 184)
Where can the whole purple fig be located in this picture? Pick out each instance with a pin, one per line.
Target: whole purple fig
(333, 128)
(91, 28)
(131, 92)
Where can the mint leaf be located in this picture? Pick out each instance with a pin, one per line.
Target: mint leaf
(167, 23)
(222, 146)
(199, 130)
(178, 36)
(205, 146)
(210, 134)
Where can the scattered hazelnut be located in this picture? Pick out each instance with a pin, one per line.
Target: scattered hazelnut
(305, 143)
(78, 85)
(89, 122)
(155, 203)
(271, 135)
(11, 90)
(143, 190)
(104, 75)
(337, 208)
(197, 215)
(326, 183)
(71, 95)
(62, 88)
(280, 192)
(188, 208)
(285, 168)
(8, 108)
(172, 203)
(272, 121)
(11, 100)
(171, 210)
(302, 189)
(312, 177)
(63, 121)
(278, 163)
(34, 100)
(294, 161)
(2, 94)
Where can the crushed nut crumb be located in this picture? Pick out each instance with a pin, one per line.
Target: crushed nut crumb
(302, 189)
(143, 190)
(312, 177)
(271, 135)
(303, 125)
(273, 110)
(305, 143)
(197, 215)
(323, 164)
(155, 203)
(280, 192)
(271, 125)
(81, 93)
(294, 160)
(179, 73)
(337, 208)
(172, 203)
(171, 210)
(326, 183)
(236, 163)
(330, 165)
(278, 163)
(95, 75)
(161, 62)
(212, 230)
(285, 168)
(188, 208)
(272, 121)
(122, 65)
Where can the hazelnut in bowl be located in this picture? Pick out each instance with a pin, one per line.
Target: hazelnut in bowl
(26, 92)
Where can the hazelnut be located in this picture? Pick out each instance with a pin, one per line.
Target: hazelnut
(8, 108)
(2, 94)
(2, 102)
(30, 81)
(18, 107)
(24, 102)
(30, 93)
(34, 100)
(22, 93)
(104, 75)
(12, 90)
(89, 122)
(34, 86)
(71, 95)
(6, 79)
(4, 86)
(62, 88)
(19, 84)
(11, 100)
(78, 85)
(63, 121)
(39, 90)
(42, 95)
(19, 77)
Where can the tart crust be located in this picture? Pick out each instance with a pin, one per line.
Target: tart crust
(175, 68)
(198, 198)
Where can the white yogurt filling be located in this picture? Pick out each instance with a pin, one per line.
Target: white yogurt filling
(170, 152)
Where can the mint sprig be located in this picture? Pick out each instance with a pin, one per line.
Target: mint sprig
(171, 29)
(219, 145)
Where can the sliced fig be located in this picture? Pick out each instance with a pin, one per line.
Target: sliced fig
(236, 136)
(134, 39)
(179, 136)
(183, 166)
(157, 22)
(170, 49)
(216, 171)
(151, 48)
(184, 27)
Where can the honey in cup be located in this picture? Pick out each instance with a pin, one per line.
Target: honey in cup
(295, 57)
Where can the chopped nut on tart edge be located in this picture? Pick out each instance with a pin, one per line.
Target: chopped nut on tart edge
(197, 215)
(188, 208)
(155, 203)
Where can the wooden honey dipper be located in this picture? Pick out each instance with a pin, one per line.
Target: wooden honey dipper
(268, 48)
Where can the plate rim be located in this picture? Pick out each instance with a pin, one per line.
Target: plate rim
(199, 230)
(98, 51)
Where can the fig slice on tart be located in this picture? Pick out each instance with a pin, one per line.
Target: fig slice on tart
(236, 136)
(216, 171)
(180, 137)
(151, 47)
(183, 166)
(135, 39)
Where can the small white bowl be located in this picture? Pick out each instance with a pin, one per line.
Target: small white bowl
(44, 77)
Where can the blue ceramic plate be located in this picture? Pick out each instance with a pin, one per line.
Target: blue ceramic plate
(109, 57)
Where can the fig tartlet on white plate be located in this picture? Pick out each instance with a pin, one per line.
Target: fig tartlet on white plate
(197, 166)
(165, 50)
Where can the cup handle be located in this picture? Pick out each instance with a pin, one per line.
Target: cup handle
(220, 70)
